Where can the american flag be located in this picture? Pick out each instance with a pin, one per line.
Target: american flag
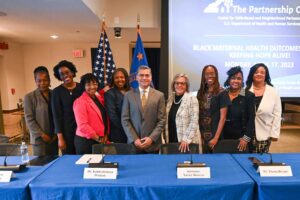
(104, 64)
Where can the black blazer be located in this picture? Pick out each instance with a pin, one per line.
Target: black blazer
(113, 100)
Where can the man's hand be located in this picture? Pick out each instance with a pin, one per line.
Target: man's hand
(146, 142)
(138, 143)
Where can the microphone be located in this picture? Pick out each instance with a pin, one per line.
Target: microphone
(4, 163)
(14, 168)
(271, 158)
(270, 163)
(191, 161)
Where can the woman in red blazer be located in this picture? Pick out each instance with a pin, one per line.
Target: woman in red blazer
(91, 117)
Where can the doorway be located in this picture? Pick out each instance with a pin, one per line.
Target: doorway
(1, 110)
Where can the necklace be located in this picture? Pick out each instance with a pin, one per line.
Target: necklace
(71, 88)
(178, 102)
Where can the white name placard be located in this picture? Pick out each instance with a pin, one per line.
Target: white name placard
(5, 176)
(100, 173)
(275, 171)
(193, 172)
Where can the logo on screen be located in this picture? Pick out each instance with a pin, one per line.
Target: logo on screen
(219, 6)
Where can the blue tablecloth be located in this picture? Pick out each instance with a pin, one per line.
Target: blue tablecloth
(18, 188)
(144, 177)
(274, 187)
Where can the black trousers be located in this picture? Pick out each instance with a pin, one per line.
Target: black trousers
(83, 145)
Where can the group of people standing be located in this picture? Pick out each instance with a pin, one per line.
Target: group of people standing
(251, 115)
(74, 116)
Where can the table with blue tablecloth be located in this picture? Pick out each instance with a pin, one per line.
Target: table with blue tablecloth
(18, 188)
(274, 187)
(144, 177)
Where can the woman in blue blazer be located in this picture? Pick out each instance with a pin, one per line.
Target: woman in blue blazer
(113, 103)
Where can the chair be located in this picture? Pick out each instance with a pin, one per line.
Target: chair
(4, 139)
(113, 149)
(228, 146)
(172, 148)
(9, 149)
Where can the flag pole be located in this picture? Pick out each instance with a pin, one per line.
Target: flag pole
(104, 50)
(138, 24)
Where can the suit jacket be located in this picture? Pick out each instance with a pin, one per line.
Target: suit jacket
(150, 122)
(37, 116)
(88, 116)
(187, 119)
(113, 103)
(268, 115)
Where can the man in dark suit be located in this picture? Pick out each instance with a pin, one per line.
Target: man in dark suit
(143, 114)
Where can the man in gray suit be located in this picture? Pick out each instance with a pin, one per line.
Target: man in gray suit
(143, 114)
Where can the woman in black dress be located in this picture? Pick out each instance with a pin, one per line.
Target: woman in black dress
(62, 105)
(113, 103)
(239, 123)
(212, 108)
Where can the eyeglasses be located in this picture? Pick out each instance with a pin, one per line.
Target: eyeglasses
(180, 83)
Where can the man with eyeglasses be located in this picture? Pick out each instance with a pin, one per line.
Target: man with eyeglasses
(143, 114)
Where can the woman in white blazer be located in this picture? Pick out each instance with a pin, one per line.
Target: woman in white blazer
(268, 108)
(182, 124)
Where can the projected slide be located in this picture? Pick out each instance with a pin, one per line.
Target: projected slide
(228, 33)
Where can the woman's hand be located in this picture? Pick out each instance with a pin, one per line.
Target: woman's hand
(61, 142)
(184, 147)
(212, 143)
(242, 145)
(46, 138)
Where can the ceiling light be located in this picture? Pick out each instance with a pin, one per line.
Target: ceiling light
(54, 36)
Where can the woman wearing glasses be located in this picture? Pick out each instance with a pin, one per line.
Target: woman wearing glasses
(182, 124)
(62, 105)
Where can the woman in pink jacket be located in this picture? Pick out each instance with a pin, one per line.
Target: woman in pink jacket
(91, 117)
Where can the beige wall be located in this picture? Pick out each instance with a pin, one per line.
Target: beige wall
(20, 60)
(12, 75)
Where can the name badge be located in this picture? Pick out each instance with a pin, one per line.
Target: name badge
(5, 176)
(100, 173)
(193, 172)
(275, 171)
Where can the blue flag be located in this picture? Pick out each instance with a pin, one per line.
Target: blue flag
(104, 64)
(139, 58)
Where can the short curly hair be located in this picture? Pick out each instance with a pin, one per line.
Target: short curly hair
(64, 63)
(87, 78)
(231, 72)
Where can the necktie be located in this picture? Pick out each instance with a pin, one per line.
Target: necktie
(144, 99)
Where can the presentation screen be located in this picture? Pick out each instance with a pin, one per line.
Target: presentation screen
(229, 33)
